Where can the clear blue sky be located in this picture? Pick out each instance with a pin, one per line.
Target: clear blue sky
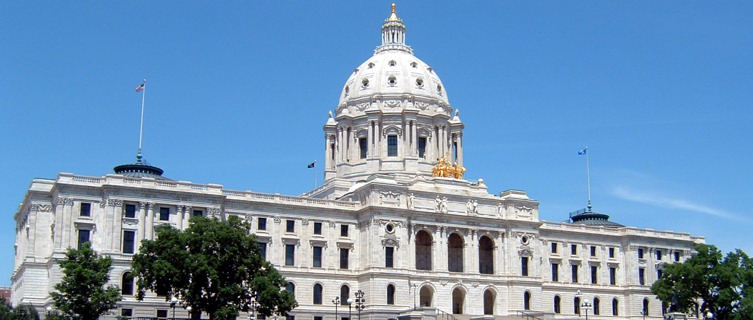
(238, 92)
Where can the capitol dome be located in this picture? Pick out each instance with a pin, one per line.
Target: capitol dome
(393, 70)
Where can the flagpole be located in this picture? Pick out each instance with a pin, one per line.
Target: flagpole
(314, 173)
(141, 124)
(588, 177)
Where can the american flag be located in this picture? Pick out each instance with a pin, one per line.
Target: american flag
(140, 88)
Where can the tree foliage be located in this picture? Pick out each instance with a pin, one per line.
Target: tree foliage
(81, 293)
(213, 266)
(721, 287)
(22, 312)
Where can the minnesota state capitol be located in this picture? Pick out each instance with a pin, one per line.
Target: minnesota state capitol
(394, 219)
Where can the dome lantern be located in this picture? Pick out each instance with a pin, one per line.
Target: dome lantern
(393, 34)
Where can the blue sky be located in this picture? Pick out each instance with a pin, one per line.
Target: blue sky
(238, 92)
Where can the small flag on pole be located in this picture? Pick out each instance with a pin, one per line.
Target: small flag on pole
(140, 88)
(582, 152)
(311, 165)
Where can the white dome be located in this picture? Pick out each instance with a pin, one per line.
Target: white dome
(393, 72)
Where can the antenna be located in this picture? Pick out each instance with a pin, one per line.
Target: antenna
(141, 88)
(584, 152)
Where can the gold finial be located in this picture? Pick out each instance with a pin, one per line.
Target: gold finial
(393, 15)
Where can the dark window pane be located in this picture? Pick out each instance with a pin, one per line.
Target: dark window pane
(612, 275)
(85, 209)
(574, 272)
(83, 236)
(317, 228)
(317, 294)
(344, 294)
(554, 247)
(162, 313)
(130, 212)
(126, 287)
(262, 224)
(594, 273)
(573, 249)
(363, 145)
(658, 254)
(197, 213)
(640, 253)
(597, 307)
(390, 294)
(392, 146)
(576, 305)
(164, 214)
(289, 226)
(677, 256)
(290, 287)
(611, 252)
(555, 272)
(289, 254)
(527, 300)
(343, 230)
(317, 257)
(344, 258)
(126, 312)
(128, 237)
(263, 249)
(388, 252)
(642, 276)
(524, 266)
(421, 147)
(593, 251)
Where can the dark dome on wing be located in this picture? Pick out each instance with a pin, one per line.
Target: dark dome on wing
(590, 218)
(140, 170)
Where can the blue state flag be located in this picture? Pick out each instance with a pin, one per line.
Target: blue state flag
(582, 152)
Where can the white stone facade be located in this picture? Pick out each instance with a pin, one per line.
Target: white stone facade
(456, 248)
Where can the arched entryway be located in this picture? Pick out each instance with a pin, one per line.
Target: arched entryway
(455, 253)
(485, 255)
(489, 298)
(458, 300)
(426, 296)
(423, 250)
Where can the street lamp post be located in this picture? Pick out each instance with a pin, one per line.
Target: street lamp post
(336, 301)
(252, 316)
(188, 309)
(350, 304)
(360, 302)
(173, 303)
(586, 305)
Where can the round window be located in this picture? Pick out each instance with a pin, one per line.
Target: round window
(524, 239)
(420, 83)
(392, 63)
(365, 82)
(389, 228)
(392, 80)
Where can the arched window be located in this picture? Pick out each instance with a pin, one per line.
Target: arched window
(489, 297)
(596, 306)
(390, 294)
(426, 296)
(576, 305)
(290, 287)
(615, 307)
(557, 304)
(485, 255)
(423, 250)
(455, 253)
(126, 288)
(458, 297)
(526, 300)
(344, 294)
(317, 294)
(645, 307)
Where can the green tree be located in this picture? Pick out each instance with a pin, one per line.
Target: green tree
(81, 293)
(714, 285)
(213, 266)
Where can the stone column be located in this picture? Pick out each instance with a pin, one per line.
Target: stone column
(150, 221)
(141, 231)
(370, 139)
(460, 147)
(414, 142)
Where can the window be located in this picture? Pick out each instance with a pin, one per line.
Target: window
(289, 225)
(611, 252)
(126, 312)
(576, 305)
(527, 300)
(343, 230)
(317, 257)
(290, 287)
(424, 243)
(317, 294)
(289, 254)
(658, 254)
(677, 256)
(593, 251)
(262, 249)
(612, 275)
(197, 213)
(164, 214)
(615, 305)
(126, 287)
(642, 276)
(645, 307)
(130, 212)
(162, 313)
(574, 272)
(261, 224)
(594, 274)
(344, 258)
(83, 237)
(659, 273)
(289, 317)
(392, 146)
(363, 146)
(596, 306)
(390, 294)
(344, 294)
(128, 238)
(486, 255)
(317, 228)
(554, 247)
(85, 210)
(422, 147)
(455, 248)
(557, 304)
(640, 253)
(524, 266)
(318, 318)
(388, 254)
(573, 249)
(555, 272)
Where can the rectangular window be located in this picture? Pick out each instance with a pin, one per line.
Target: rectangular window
(574, 272)
(421, 147)
(593, 251)
(524, 266)
(641, 276)
(363, 146)
(85, 209)
(128, 238)
(658, 254)
(261, 224)
(677, 256)
(640, 253)
(392, 146)
(612, 275)
(611, 252)
(162, 313)
(343, 230)
(554, 247)
(317, 228)
(289, 317)
(130, 212)
(573, 249)
(344, 258)
(126, 312)
(317, 257)
(594, 274)
(388, 256)
(164, 214)
(289, 225)
(197, 213)
(318, 318)
(83, 236)
(263, 249)
(555, 272)
(289, 254)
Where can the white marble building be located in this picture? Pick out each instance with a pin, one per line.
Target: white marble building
(417, 240)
